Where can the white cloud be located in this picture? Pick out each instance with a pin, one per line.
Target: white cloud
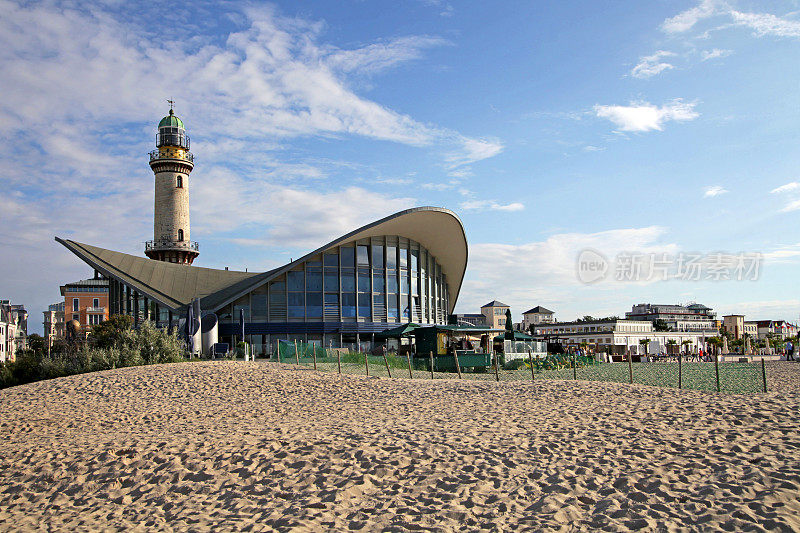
(480, 205)
(377, 57)
(714, 190)
(766, 24)
(791, 186)
(473, 150)
(686, 20)
(652, 65)
(716, 53)
(645, 116)
(793, 205)
(590, 148)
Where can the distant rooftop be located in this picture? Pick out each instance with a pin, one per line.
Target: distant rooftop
(495, 303)
(538, 309)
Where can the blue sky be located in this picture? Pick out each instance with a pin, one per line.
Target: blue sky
(643, 128)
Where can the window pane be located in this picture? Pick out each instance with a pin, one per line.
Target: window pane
(331, 299)
(404, 281)
(414, 260)
(296, 305)
(314, 279)
(403, 257)
(363, 281)
(349, 304)
(364, 305)
(391, 281)
(331, 279)
(348, 256)
(259, 305)
(363, 255)
(405, 307)
(295, 281)
(391, 257)
(348, 280)
(314, 304)
(332, 260)
(378, 284)
(391, 306)
(377, 256)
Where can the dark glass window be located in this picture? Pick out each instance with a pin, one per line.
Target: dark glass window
(295, 281)
(314, 304)
(391, 307)
(378, 284)
(331, 260)
(314, 279)
(180, 235)
(364, 305)
(363, 255)
(414, 260)
(348, 256)
(348, 280)
(179, 182)
(331, 299)
(259, 302)
(391, 281)
(391, 257)
(296, 305)
(363, 280)
(404, 256)
(379, 300)
(404, 281)
(349, 304)
(377, 256)
(331, 279)
(405, 306)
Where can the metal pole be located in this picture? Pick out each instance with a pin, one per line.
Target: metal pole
(530, 360)
(764, 373)
(630, 368)
(386, 362)
(432, 376)
(716, 369)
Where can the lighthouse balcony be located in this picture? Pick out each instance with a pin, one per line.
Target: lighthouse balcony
(180, 155)
(171, 245)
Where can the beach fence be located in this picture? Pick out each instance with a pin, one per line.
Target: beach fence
(713, 376)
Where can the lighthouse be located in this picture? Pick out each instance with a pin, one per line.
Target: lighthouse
(172, 163)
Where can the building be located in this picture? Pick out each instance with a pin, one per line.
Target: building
(468, 319)
(13, 329)
(406, 267)
(620, 336)
(535, 316)
(54, 322)
(734, 325)
(776, 329)
(495, 314)
(692, 317)
(750, 329)
(171, 162)
(86, 301)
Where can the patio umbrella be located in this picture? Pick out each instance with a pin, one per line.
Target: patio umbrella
(189, 327)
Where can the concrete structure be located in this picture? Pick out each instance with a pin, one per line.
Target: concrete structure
(692, 317)
(734, 325)
(171, 162)
(495, 314)
(54, 322)
(535, 316)
(13, 329)
(406, 267)
(86, 301)
(619, 337)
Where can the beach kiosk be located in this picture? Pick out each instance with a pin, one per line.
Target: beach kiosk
(471, 344)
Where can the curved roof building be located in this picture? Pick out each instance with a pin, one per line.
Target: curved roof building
(406, 267)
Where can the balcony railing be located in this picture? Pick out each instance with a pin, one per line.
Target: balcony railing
(171, 245)
(187, 156)
(95, 309)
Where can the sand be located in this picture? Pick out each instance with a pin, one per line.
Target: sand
(261, 446)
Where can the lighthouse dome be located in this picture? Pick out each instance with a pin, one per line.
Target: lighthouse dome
(171, 121)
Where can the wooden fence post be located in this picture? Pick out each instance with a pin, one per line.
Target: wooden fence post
(339, 360)
(296, 354)
(680, 373)
(574, 367)
(716, 368)
(408, 358)
(764, 373)
(496, 368)
(314, 351)
(530, 360)
(366, 363)
(458, 365)
(386, 362)
(630, 368)
(432, 376)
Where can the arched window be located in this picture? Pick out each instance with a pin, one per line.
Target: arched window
(180, 235)
(179, 184)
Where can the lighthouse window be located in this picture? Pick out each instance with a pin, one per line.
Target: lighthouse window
(180, 235)
(180, 182)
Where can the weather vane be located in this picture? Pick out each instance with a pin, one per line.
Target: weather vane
(171, 103)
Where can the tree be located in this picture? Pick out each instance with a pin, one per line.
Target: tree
(645, 343)
(37, 343)
(660, 325)
(670, 343)
(112, 332)
(509, 324)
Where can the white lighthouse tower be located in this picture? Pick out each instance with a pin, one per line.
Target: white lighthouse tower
(172, 162)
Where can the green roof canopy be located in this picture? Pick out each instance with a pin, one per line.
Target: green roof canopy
(400, 331)
(171, 121)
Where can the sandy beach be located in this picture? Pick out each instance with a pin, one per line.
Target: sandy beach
(261, 446)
